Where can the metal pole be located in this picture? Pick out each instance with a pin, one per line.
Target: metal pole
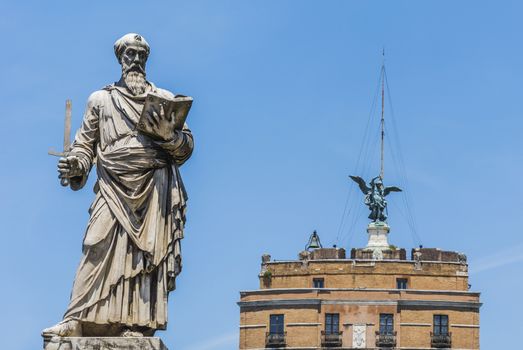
(382, 115)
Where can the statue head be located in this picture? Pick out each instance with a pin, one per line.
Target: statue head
(132, 51)
(377, 182)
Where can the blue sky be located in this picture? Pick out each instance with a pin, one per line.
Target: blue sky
(282, 92)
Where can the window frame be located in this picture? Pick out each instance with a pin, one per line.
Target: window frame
(275, 326)
(402, 280)
(332, 323)
(321, 280)
(386, 324)
(438, 326)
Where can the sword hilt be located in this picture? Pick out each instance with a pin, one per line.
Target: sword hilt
(64, 181)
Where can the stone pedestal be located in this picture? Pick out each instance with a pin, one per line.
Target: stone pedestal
(378, 235)
(104, 343)
(378, 238)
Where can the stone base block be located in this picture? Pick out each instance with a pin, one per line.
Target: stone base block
(378, 232)
(104, 343)
(387, 254)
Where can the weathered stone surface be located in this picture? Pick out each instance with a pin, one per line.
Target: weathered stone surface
(328, 253)
(132, 244)
(387, 254)
(104, 343)
(378, 232)
(435, 254)
(359, 292)
(359, 336)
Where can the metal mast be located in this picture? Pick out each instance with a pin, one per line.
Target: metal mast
(382, 115)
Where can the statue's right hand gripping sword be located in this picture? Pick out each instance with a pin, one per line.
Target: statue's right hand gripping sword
(64, 181)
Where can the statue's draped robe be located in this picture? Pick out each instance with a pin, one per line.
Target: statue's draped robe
(131, 249)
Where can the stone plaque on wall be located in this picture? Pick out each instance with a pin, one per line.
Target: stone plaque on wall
(359, 332)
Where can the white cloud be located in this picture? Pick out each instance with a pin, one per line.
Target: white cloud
(226, 341)
(501, 258)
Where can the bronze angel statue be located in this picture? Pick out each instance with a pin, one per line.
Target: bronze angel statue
(375, 196)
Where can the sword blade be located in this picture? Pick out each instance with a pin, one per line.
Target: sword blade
(52, 152)
(67, 126)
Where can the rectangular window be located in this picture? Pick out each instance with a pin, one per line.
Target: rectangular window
(441, 324)
(332, 324)
(386, 324)
(276, 324)
(318, 283)
(401, 283)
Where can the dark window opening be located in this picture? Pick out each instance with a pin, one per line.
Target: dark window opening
(276, 324)
(402, 283)
(318, 283)
(332, 324)
(387, 324)
(441, 324)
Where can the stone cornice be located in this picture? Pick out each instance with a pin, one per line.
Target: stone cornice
(246, 326)
(280, 302)
(390, 290)
(444, 304)
(457, 325)
(351, 261)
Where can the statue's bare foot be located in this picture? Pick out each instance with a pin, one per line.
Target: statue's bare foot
(66, 328)
(130, 333)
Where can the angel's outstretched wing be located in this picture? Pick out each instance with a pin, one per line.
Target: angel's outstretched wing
(388, 190)
(361, 183)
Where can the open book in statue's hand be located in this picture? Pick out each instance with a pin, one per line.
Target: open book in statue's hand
(161, 116)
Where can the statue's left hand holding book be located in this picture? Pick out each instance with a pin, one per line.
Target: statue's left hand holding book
(161, 117)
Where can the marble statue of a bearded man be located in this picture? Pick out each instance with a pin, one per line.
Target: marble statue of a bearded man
(131, 250)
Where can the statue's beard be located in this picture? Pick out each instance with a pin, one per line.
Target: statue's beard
(135, 81)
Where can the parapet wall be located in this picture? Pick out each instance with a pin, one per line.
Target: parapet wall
(435, 254)
(431, 269)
